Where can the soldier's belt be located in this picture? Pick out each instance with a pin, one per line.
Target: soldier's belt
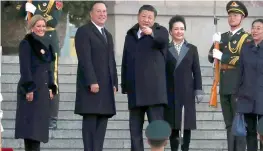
(226, 67)
(50, 29)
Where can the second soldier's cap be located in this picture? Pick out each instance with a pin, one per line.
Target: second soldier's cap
(260, 126)
(237, 7)
(158, 130)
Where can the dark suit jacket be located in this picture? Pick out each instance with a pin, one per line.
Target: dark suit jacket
(96, 64)
(250, 81)
(184, 81)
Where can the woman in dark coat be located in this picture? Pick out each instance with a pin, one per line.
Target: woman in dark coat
(35, 87)
(184, 83)
(250, 88)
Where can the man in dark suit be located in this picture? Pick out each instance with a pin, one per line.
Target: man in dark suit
(143, 72)
(230, 47)
(96, 77)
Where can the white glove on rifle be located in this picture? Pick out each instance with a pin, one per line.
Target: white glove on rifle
(217, 54)
(217, 37)
(30, 8)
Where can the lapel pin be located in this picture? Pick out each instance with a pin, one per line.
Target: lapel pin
(234, 42)
(45, 4)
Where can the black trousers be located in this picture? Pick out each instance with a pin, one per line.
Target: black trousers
(93, 132)
(174, 142)
(31, 145)
(136, 121)
(252, 141)
(228, 104)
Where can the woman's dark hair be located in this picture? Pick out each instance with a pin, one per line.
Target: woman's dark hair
(174, 19)
(257, 20)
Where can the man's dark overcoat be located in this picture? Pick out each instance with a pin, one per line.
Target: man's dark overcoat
(143, 67)
(96, 64)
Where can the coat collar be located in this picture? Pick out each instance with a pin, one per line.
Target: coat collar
(237, 34)
(182, 54)
(254, 47)
(41, 50)
(98, 33)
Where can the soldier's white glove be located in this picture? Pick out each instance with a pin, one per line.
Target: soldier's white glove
(217, 37)
(30, 8)
(217, 54)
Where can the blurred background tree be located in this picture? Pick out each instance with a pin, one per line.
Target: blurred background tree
(13, 26)
(78, 11)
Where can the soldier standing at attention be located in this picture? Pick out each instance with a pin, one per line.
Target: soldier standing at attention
(158, 133)
(230, 46)
(51, 10)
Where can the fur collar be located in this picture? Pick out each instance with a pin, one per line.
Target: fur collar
(40, 50)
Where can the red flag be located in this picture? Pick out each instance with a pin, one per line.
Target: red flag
(7, 149)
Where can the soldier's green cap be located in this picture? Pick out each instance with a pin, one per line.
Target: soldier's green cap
(237, 7)
(158, 130)
(260, 126)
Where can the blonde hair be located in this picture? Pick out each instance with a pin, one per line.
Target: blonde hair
(34, 20)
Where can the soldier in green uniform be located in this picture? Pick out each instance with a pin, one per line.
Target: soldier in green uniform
(230, 46)
(158, 133)
(51, 10)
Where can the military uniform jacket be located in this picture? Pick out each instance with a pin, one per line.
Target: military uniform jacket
(230, 47)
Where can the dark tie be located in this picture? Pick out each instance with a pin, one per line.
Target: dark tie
(103, 34)
(142, 34)
(230, 35)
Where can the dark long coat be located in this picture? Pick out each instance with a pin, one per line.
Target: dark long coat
(250, 88)
(184, 81)
(143, 67)
(32, 118)
(96, 64)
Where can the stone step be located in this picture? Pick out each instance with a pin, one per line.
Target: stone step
(65, 69)
(14, 78)
(70, 96)
(112, 144)
(120, 106)
(122, 116)
(72, 88)
(121, 134)
(70, 124)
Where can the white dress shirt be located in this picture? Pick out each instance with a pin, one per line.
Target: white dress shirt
(178, 46)
(99, 27)
(235, 31)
